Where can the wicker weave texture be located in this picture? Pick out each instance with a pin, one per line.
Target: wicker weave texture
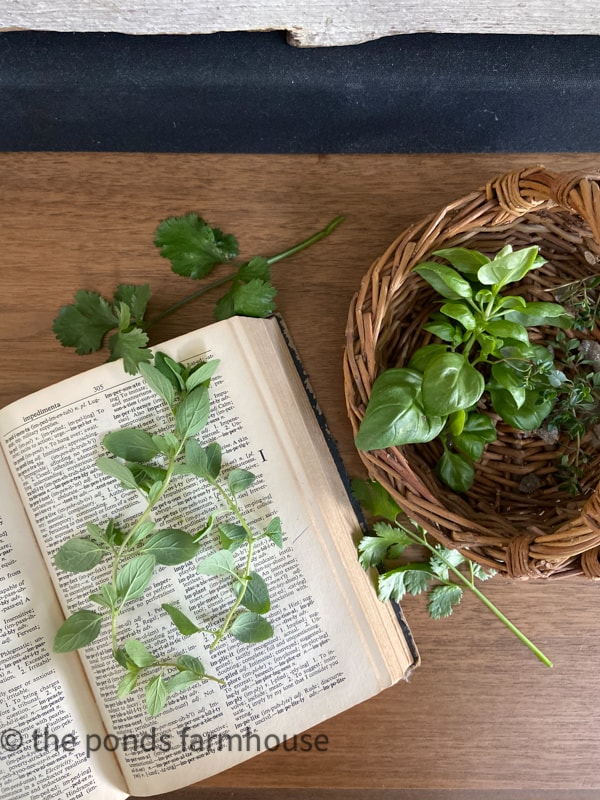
(545, 533)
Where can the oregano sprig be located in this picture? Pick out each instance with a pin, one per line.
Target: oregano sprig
(147, 463)
(194, 249)
(439, 576)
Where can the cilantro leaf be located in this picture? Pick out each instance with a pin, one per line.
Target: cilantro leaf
(257, 267)
(444, 556)
(192, 246)
(391, 585)
(84, 323)
(252, 299)
(131, 347)
(482, 572)
(442, 600)
(417, 580)
(135, 298)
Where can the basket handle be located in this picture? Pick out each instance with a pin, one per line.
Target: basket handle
(521, 191)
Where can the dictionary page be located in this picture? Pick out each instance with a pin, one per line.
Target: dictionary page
(46, 707)
(335, 645)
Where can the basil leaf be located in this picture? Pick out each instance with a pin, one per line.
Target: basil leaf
(460, 312)
(504, 329)
(395, 413)
(421, 357)
(450, 383)
(511, 380)
(542, 314)
(467, 261)
(509, 267)
(456, 471)
(478, 431)
(445, 280)
(529, 416)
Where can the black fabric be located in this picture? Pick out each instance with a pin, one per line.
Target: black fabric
(255, 93)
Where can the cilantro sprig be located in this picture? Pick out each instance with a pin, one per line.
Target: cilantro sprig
(440, 576)
(194, 249)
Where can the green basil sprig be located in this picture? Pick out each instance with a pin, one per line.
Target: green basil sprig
(484, 347)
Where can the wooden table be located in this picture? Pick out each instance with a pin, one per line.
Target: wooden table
(480, 713)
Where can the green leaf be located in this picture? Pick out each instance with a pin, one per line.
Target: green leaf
(253, 299)
(417, 581)
(171, 546)
(456, 471)
(450, 383)
(511, 380)
(79, 555)
(445, 280)
(232, 536)
(134, 577)
(109, 466)
(421, 357)
(256, 597)
(192, 246)
(395, 414)
(387, 542)
(84, 323)
(123, 313)
(391, 586)
(172, 371)
(158, 382)
(181, 681)
(482, 573)
(192, 413)
(508, 267)
(375, 499)
(240, 479)
(156, 695)
(219, 563)
(78, 630)
(442, 600)
(442, 557)
(460, 312)
(106, 597)
(167, 444)
(445, 331)
(224, 308)
(535, 314)
(139, 653)
(131, 444)
(131, 346)
(135, 298)
(202, 373)
(257, 267)
(191, 664)
(251, 628)
(526, 417)
(464, 260)
(184, 624)
(127, 684)
(478, 431)
(504, 329)
(274, 532)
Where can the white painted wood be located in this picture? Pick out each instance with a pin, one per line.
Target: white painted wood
(309, 24)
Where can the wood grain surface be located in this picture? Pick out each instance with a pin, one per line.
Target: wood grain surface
(481, 717)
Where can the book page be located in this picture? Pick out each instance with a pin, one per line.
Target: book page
(324, 656)
(46, 706)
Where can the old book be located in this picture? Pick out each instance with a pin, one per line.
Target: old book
(64, 732)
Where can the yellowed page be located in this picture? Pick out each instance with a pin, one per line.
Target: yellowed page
(46, 706)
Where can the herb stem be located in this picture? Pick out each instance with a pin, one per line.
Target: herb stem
(316, 237)
(488, 603)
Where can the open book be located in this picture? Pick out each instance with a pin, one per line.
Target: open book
(64, 733)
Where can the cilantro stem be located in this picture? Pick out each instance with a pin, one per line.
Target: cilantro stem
(470, 585)
(297, 248)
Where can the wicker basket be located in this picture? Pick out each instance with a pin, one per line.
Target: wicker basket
(542, 534)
